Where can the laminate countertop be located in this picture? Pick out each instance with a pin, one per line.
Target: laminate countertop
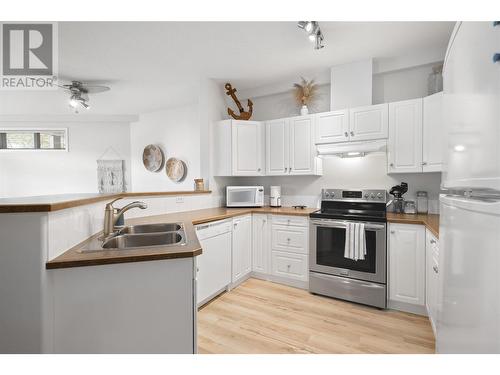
(49, 203)
(88, 252)
(431, 221)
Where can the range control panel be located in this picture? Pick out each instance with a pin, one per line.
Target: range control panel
(370, 195)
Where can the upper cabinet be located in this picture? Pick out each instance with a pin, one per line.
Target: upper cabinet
(290, 147)
(367, 123)
(355, 124)
(332, 127)
(415, 142)
(433, 146)
(239, 148)
(405, 136)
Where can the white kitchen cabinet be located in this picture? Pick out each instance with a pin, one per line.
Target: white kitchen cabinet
(368, 122)
(261, 244)
(290, 266)
(332, 127)
(290, 148)
(289, 238)
(406, 247)
(277, 147)
(239, 148)
(242, 247)
(432, 277)
(433, 142)
(405, 137)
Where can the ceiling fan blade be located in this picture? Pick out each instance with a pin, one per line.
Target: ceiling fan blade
(94, 89)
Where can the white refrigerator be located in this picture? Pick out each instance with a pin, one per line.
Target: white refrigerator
(468, 319)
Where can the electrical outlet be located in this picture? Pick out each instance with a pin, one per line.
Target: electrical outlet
(179, 200)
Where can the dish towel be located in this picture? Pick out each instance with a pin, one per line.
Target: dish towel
(355, 243)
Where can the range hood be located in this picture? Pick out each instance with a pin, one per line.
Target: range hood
(352, 149)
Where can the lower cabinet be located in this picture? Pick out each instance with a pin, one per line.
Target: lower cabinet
(432, 277)
(290, 265)
(406, 247)
(242, 247)
(261, 244)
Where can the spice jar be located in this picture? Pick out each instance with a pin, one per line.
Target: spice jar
(422, 202)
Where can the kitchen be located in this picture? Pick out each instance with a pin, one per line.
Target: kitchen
(238, 221)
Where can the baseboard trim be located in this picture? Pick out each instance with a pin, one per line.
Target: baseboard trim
(281, 280)
(407, 307)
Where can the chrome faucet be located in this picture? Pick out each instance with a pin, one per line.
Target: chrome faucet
(111, 218)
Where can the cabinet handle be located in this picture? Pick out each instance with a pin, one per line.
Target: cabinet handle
(288, 239)
(496, 23)
(346, 134)
(352, 134)
(424, 163)
(496, 57)
(288, 266)
(258, 169)
(235, 225)
(391, 165)
(433, 241)
(435, 269)
(392, 232)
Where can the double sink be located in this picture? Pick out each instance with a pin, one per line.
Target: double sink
(147, 235)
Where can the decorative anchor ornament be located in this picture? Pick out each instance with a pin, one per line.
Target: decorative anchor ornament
(243, 114)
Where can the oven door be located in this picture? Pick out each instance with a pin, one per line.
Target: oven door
(327, 244)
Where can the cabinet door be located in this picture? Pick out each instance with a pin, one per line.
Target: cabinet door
(407, 263)
(247, 148)
(366, 123)
(302, 150)
(431, 277)
(260, 244)
(277, 147)
(332, 127)
(290, 239)
(432, 147)
(290, 265)
(242, 247)
(405, 137)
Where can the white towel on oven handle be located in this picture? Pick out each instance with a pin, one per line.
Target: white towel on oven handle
(355, 242)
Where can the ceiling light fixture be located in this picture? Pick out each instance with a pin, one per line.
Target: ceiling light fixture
(314, 32)
(76, 101)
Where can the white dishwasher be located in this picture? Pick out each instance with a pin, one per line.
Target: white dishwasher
(214, 264)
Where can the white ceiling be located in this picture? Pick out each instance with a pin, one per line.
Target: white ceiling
(158, 64)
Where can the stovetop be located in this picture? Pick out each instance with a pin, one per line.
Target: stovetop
(357, 205)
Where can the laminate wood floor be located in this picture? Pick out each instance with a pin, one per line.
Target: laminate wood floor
(263, 317)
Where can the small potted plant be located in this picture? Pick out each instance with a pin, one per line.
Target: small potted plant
(305, 93)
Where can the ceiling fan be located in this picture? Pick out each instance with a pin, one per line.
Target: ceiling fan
(79, 93)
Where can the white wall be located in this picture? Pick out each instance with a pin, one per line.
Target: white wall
(25, 173)
(177, 131)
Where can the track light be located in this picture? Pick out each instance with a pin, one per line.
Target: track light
(314, 32)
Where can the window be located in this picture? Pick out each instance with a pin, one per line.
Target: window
(33, 139)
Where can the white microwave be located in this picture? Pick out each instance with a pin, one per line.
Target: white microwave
(244, 196)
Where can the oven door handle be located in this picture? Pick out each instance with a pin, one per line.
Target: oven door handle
(342, 224)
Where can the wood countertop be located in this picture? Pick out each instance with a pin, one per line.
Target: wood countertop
(75, 257)
(431, 221)
(49, 203)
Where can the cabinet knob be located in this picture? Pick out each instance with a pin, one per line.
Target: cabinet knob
(496, 57)
(392, 232)
(424, 163)
(433, 241)
(258, 169)
(288, 266)
(288, 239)
(435, 269)
(346, 134)
(391, 165)
(352, 134)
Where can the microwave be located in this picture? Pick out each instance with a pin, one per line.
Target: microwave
(244, 196)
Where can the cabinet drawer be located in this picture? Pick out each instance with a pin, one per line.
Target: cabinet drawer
(290, 265)
(296, 221)
(288, 238)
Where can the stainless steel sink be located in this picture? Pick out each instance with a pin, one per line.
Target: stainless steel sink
(127, 241)
(151, 228)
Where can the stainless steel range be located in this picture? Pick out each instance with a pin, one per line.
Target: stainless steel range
(331, 272)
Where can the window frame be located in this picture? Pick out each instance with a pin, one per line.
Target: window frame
(35, 130)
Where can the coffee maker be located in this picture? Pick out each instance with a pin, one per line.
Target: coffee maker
(398, 203)
(275, 196)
